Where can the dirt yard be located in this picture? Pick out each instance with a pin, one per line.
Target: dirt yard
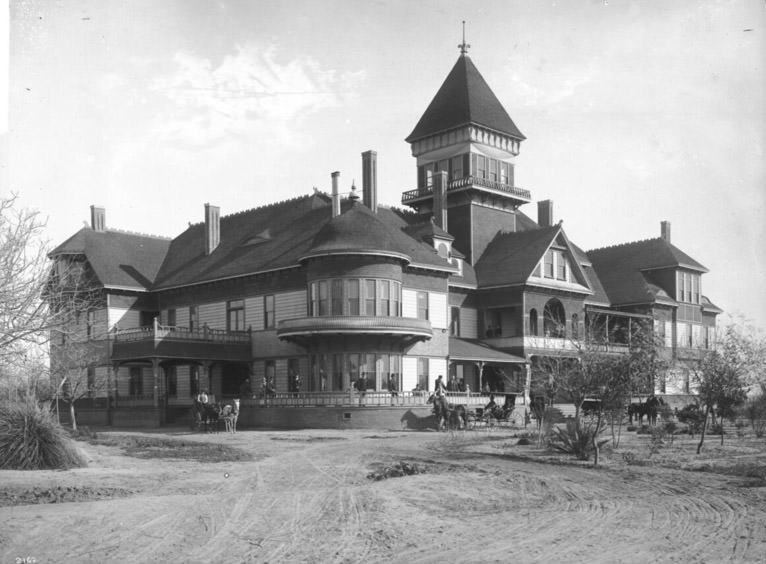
(311, 496)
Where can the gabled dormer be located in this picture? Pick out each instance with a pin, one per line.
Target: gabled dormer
(559, 267)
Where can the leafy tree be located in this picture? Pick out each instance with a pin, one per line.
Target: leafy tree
(721, 378)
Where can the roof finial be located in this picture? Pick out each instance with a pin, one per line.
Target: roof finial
(464, 46)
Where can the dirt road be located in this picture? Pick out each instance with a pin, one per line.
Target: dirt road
(306, 498)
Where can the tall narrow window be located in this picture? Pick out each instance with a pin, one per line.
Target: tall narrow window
(575, 326)
(423, 373)
(269, 313)
(171, 320)
(548, 264)
(422, 300)
(193, 380)
(352, 368)
(353, 297)
(136, 384)
(504, 173)
(385, 297)
(561, 266)
(324, 302)
(695, 288)
(91, 381)
(457, 167)
(313, 300)
(533, 322)
(481, 166)
(493, 170)
(369, 297)
(235, 315)
(455, 321)
(337, 297)
(91, 324)
(172, 381)
(193, 318)
(396, 290)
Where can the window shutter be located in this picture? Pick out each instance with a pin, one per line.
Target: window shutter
(474, 166)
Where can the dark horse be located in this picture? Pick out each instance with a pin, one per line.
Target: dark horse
(650, 408)
(206, 416)
(447, 414)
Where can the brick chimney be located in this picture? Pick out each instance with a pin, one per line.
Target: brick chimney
(665, 230)
(212, 228)
(335, 194)
(370, 180)
(97, 218)
(545, 213)
(440, 199)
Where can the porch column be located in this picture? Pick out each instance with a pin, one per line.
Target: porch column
(527, 383)
(111, 391)
(156, 375)
(480, 364)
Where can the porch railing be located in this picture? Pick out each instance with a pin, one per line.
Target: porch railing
(370, 399)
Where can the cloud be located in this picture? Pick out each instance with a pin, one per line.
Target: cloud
(250, 93)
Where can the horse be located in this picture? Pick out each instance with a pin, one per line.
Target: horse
(649, 408)
(206, 415)
(447, 414)
(230, 414)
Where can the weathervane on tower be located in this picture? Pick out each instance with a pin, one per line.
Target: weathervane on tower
(464, 46)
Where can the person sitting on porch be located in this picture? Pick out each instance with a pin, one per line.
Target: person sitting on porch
(393, 387)
(491, 405)
(297, 382)
(452, 385)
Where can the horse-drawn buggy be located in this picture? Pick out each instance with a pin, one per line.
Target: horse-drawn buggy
(207, 417)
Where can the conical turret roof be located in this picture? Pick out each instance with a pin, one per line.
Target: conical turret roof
(464, 98)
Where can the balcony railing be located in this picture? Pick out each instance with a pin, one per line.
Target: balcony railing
(466, 182)
(159, 332)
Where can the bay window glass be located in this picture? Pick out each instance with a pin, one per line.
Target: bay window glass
(323, 298)
(337, 297)
(353, 297)
(385, 300)
(369, 297)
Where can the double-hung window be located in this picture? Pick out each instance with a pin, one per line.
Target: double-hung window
(422, 303)
(269, 317)
(235, 315)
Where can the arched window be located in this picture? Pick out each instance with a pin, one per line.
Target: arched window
(554, 319)
(533, 321)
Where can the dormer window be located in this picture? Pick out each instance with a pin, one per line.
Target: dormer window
(554, 265)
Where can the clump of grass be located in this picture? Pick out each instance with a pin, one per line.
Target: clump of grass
(30, 439)
(159, 447)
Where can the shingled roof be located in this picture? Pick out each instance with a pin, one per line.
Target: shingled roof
(510, 258)
(464, 98)
(621, 269)
(280, 235)
(119, 259)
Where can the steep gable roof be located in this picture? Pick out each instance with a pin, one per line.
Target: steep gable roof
(118, 258)
(510, 258)
(464, 98)
(621, 269)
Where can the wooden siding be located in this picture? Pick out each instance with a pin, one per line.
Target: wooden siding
(123, 317)
(469, 323)
(409, 303)
(409, 372)
(254, 313)
(437, 310)
(290, 305)
(214, 315)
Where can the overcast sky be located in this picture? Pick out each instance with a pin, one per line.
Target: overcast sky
(634, 112)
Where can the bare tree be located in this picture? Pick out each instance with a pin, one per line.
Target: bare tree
(38, 298)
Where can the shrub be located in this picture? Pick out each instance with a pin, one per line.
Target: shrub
(30, 439)
(716, 429)
(575, 439)
(692, 416)
(631, 428)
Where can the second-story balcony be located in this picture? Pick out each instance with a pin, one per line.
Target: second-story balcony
(413, 197)
(407, 329)
(200, 343)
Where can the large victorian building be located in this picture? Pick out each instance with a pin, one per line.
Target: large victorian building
(325, 295)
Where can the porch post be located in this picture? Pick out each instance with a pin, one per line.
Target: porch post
(480, 364)
(111, 391)
(156, 375)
